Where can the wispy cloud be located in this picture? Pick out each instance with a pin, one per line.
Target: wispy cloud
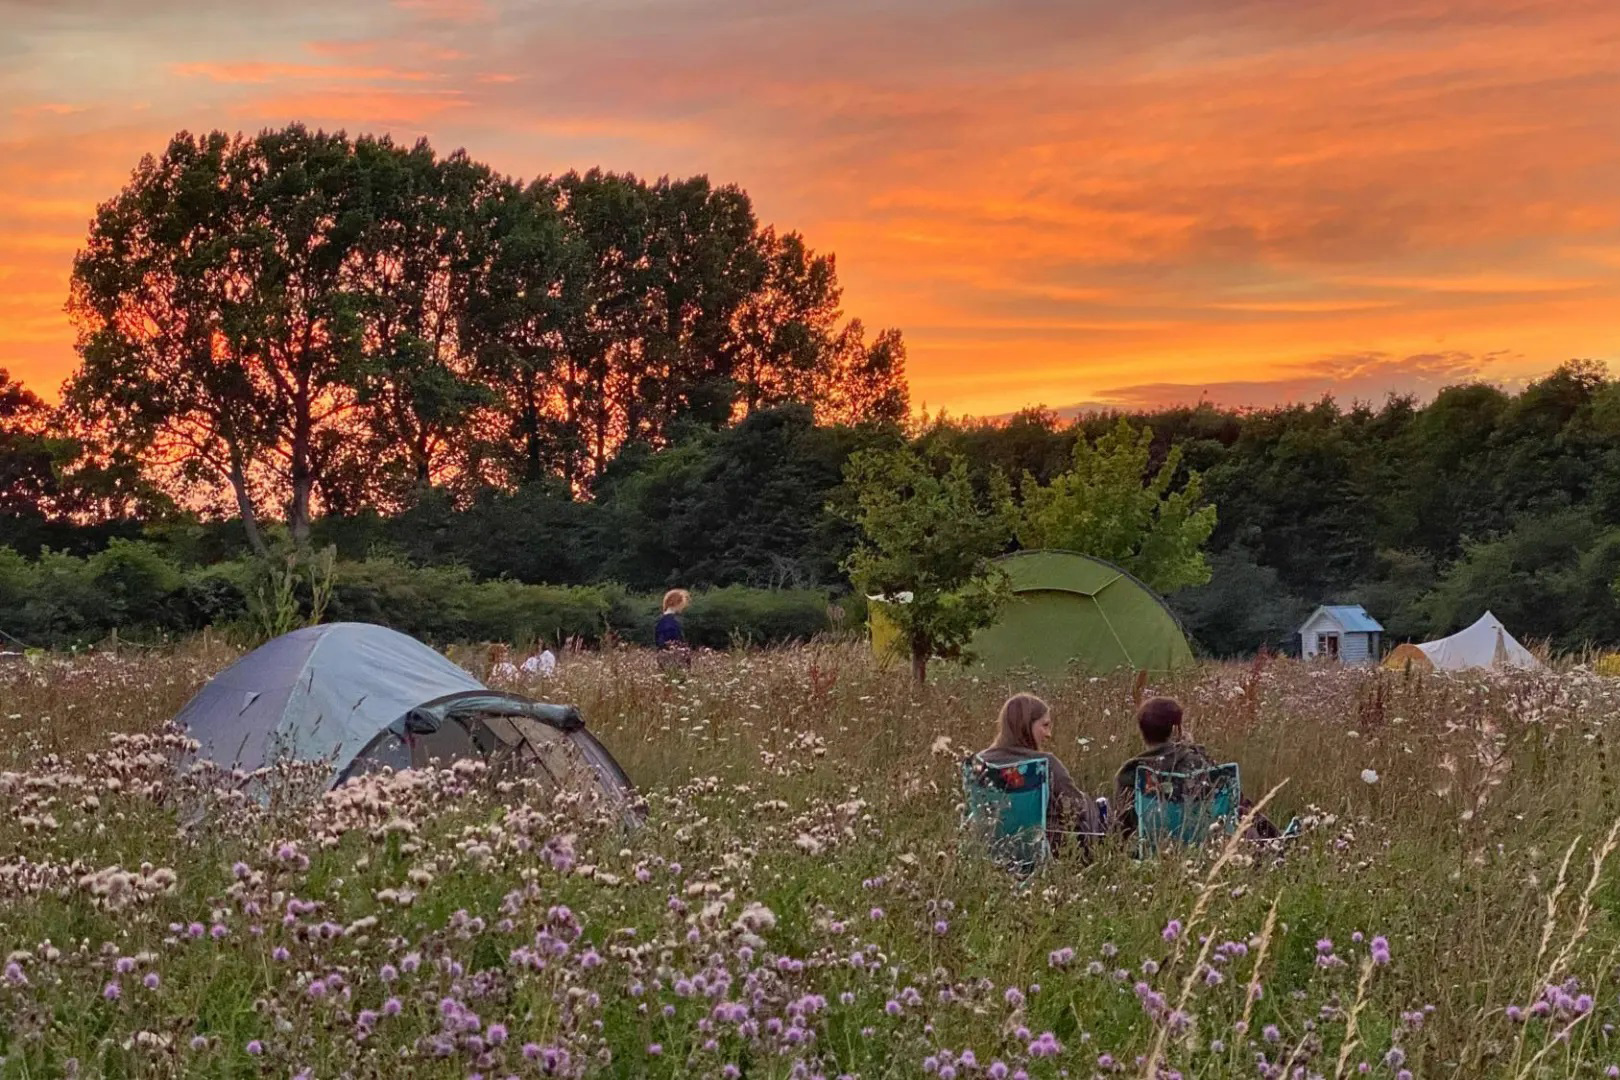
(262, 72)
(1052, 199)
(1368, 377)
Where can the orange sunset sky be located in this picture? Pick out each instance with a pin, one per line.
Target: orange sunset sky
(1058, 201)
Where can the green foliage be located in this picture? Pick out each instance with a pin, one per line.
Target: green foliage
(289, 592)
(1242, 608)
(746, 505)
(1110, 504)
(923, 532)
(133, 590)
(1547, 579)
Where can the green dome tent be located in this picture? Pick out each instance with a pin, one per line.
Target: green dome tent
(1070, 609)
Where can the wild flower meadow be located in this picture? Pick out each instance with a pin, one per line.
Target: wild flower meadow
(799, 903)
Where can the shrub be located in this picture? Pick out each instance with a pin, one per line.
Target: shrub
(59, 600)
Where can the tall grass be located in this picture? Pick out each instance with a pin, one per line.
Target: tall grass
(799, 903)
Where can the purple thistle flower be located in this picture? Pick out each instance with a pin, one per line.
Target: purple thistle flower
(1172, 930)
(255, 1047)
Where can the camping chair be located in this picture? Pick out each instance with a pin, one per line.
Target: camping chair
(1182, 808)
(1006, 805)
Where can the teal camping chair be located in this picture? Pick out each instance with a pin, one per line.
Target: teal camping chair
(1006, 805)
(1183, 808)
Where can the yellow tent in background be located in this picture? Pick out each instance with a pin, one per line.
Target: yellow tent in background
(886, 643)
(1408, 656)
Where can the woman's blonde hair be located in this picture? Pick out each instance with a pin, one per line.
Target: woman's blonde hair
(1016, 725)
(676, 599)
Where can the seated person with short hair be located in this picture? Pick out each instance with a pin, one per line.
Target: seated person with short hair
(1167, 750)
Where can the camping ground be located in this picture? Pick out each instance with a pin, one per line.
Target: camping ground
(798, 905)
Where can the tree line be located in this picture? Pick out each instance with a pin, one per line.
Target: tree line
(1428, 514)
(298, 338)
(298, 324)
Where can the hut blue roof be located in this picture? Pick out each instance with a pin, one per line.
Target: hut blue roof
(1352, 618)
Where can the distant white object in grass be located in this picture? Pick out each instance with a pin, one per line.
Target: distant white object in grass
(1369, 775)
(543, 663)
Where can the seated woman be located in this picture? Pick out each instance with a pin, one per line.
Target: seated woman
(1023, 730)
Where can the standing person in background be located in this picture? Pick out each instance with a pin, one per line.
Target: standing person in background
(667, 635)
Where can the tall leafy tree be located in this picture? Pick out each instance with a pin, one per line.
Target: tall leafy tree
(411, 272)
(1111, 504)
(666, 268)
(28, 482)
(924, 533)
(525, 293)
(787, 326)
(1293, 487)
(863, 382)
(214, 327)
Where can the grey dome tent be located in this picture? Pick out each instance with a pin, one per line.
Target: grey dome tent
(360, 697)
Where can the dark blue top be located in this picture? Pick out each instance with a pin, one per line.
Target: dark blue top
(668, 630)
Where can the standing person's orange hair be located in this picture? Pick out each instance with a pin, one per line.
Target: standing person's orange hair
(676, 600)
(1015, 725)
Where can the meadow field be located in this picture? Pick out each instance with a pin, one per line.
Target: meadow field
(799, 903)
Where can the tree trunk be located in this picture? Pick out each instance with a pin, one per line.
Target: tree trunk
(298, 507)
(244, 506)
(919, 665)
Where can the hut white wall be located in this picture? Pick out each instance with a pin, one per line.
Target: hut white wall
(1355, 649)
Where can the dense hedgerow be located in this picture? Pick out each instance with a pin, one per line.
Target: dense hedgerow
(799, 903)
(132, 589)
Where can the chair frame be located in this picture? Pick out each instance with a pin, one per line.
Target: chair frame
(1152, 831)
(980, 798)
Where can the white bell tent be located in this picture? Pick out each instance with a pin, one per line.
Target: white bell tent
(1486, 644)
